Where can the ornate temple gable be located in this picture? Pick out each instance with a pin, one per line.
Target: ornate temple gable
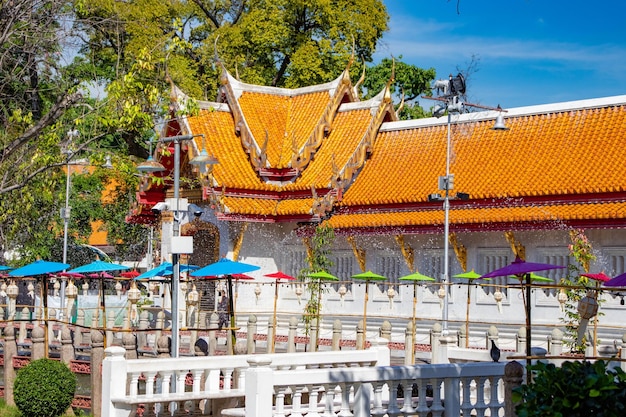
(382, 110)
(272, 122)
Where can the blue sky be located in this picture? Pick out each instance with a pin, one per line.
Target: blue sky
(529, 51)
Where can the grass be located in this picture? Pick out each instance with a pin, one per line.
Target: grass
(12, 411)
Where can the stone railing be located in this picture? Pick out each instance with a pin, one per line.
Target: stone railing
(420, 390)
(216, 382)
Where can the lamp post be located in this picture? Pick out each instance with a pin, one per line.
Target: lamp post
(65, 214)
(452, 89)
(202, 159)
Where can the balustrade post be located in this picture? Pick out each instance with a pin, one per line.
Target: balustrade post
(114, 374)
(259, 390)
(492, 334)
(521, 341)
(623, 353)
(556, 343)
(359, 335)
(24, 317)
(252, 329)
(463, 337)
(144, 324)
(39, 344)
(291, 336)
(97, 357)
(435, 335)
(67, 345)
(10, 350)
(313, 333)
(270, 335)
(212, 336)
(409, 345)
(336, 341)
(513, 377)
(130, 345)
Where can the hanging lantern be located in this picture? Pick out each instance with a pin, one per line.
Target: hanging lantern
(85, 288)
(57, 287)
(257, 292)
(118, 289)
(562, 298)
(498, 296)
(71, 291)
(3, 289)
(587, 308)
(133, 294)
(342, 293)
(391, 293)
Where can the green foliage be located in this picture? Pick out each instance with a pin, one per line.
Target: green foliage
(576, 286)
(318, 258)
(7, 410)
(409, 80)
(576, 389)
(44, 388)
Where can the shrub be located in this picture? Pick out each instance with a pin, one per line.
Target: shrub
(44, 388)
(576, 389)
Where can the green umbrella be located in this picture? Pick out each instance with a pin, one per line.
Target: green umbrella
(367, 276)
(320, 276)
(471, 276)
(415, 277)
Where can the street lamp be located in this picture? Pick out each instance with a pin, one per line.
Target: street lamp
(66, 212)
(452, 90)
(150, 166)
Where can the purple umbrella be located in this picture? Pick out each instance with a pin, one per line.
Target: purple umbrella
(522, 269)
(618, 281)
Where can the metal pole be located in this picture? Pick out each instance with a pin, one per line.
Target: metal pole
(175, 256)
(446, 228)
(66, 221)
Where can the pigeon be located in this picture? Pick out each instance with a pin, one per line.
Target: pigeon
(494, 352)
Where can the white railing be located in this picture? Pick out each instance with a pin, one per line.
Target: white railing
(426, 390)
(162, 385)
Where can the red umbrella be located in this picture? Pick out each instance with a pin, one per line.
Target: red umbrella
(130, 274)
(278, 276)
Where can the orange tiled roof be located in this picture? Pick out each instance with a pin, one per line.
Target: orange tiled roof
(574, 152)
(482, 218)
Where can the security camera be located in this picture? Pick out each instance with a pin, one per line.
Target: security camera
(196, 210)
(159, 207)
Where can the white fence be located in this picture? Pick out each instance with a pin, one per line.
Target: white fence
(335, 383)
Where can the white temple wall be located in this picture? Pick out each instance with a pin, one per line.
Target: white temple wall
(276, 247)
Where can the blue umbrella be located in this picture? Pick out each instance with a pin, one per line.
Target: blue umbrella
(38, 267)
(4, 267)
(99, 266)
(166, 268)
(228, 268)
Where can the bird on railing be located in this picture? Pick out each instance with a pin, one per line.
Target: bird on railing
(494, 352)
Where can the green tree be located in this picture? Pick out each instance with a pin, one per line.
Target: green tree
(409, 83)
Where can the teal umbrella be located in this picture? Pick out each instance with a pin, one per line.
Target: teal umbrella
(367, 276)
(38, 267)
(227, 268)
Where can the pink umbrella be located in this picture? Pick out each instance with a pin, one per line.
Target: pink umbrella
(602, 277)
(278, 276)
